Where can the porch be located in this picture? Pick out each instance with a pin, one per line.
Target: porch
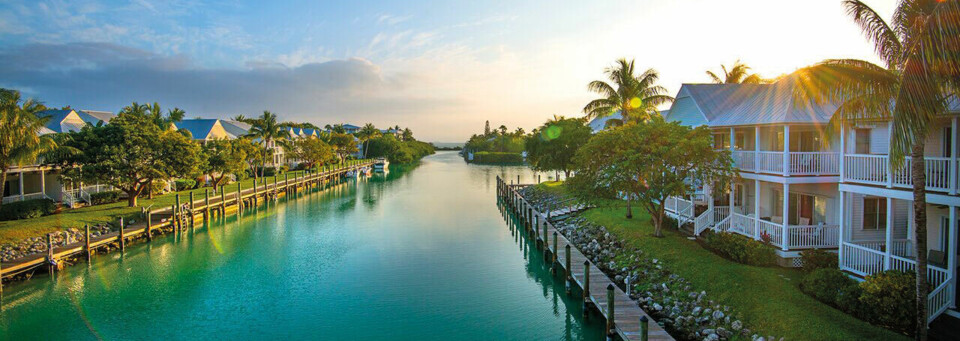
(797, 150)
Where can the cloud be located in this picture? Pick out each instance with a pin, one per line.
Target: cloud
(104, 76)
(391, 19)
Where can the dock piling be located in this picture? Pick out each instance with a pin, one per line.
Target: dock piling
(206, 205)
(146, 230)
(610, 313)
(586, 280)
(86, 241)
(123, 242)
(568, 271)
(50, 260)
(644, 328)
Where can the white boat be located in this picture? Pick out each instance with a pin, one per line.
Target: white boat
(381, 165)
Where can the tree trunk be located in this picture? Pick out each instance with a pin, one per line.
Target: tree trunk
(657, 224)
(132, 198)
(629, 209)
(920, 224)
(3, 183)
(149, 190)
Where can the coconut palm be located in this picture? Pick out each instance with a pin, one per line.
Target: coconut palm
(269, 131)
(921, 67)
(369, 131)
(635, 97)
(739, 73)
(20, 140)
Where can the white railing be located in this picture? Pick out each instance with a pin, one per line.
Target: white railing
(744, 160)
(814, 163)
(770, 162)
(872, 169)
(723, 225)
(670, 205)
(812, 236)
(773, 231)
(742, 224)
(935, 275)
(703, 222)
(70, 197)
(29, 196)
(861, 260)
(720, 212)
(939, 300)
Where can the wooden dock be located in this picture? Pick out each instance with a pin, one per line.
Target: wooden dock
(627, 314)
(179, 218)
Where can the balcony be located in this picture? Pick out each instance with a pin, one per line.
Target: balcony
(821, 236)
(875, 170)
(796, 163)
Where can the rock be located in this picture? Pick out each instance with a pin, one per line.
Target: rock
(657, 307)
(712, 337)
(717, 315)
(736, 325)
(696, 311)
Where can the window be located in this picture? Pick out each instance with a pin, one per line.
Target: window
(721, 141)
(778, 142)
(874, 213)
(741, 141)
(863, 141)
(944, 234)
(947, 141)
(805, 141)
(807, 209)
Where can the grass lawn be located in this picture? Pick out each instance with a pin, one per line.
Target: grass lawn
(17, 230)
(769, 300)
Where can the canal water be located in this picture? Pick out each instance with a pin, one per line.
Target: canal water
(418, 254)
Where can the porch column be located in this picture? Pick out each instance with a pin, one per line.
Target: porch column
(732, 141)
(889, 238)
(784, 237)
(952, 245)
(843, 148)
(756, 209)
(953, 158)
(20, 181)
(786, 152)
(756, 150)
(43, 183)
(889, 166)
(733, 188)
(843, 226)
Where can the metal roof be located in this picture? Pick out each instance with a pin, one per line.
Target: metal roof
(750, 104)
(235, 128)
(199, 128)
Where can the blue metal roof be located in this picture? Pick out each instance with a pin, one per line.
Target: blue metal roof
(199, 128)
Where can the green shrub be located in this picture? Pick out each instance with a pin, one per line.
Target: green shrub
(833, 287)
(818, 259)
(739, 248)
(497, 157)
(889, 299)
(104, 197)
(184, 184)
(27, 209)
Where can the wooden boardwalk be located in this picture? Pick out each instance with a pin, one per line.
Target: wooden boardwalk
(627, 314)
(190, 212)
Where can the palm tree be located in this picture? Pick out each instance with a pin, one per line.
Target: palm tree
(20, 140)
(269, 131)
(635, 97)
(739, 73)
(369, 131)
(919, 50)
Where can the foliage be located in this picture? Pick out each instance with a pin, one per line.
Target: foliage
(635, 97)
(156, 115)
(833, 287)
(27, 209)
(270, 132)
(184, 184)
(497, 158)
(888, 299)
(818, 259)
(648, 162)
(498, 140)
(739, 73)
(130, 153)
(398, 151)
(551, 147)
(343, 145)
(313, 152)
(105, 197)
(225, 157)
(739, 249)
(20, 141)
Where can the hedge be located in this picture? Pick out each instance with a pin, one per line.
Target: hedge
(739, 248)
(27, 209)
(497, 157)
(104, 197)
(818, 259)
(886, 299)
(184, 184)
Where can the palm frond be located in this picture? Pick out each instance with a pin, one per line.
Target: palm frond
(886, 42)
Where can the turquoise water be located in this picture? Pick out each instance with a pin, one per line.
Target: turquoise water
(421, 254)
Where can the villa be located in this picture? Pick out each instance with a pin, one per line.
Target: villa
(802, 188)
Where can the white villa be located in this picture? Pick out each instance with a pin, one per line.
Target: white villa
(841, 192)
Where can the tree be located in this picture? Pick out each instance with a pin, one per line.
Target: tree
(648, 162)
(20, 139)
(225, 157)
(407, 135)
(922, 68)
(270, 132)
(131, 152)
(486, 128)
(503, 129)
(313, 152)
(343, 145)
(739, 73)
(636, 98)
(551, 147)
(519, 132)
(368, 131)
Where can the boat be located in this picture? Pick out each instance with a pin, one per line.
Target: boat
(381, 165)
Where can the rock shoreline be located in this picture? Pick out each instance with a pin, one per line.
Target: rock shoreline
(35, 245)
(686, 313)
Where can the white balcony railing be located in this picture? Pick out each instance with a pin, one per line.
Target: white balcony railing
(28, 196)
(874, 170)
(770, 162)
(813, 236)
(814, 163)
(745, 160)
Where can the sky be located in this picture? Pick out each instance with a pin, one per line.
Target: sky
(441, 68)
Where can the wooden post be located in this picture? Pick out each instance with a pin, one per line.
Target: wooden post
(254, 193)
(206, 205)
(553, 257)
(50, 262)
(123, 242)
(239, 199)
(610, 312)
(644, 328)
(173, 220)
(223, 203)
(586, 280)
(146, 230)
(86, 241)
(177, 212)
(192, 209)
